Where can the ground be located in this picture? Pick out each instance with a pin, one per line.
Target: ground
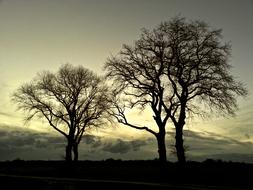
(114, 174)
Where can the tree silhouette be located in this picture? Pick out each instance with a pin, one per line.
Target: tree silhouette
(176, 69)
(72, 100)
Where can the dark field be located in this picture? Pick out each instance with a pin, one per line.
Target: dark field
(115, 174)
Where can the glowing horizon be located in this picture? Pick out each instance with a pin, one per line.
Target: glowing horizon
(42, 35)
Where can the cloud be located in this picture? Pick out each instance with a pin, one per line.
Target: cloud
(3, 133)
(203, 145)
(137, 144)
(23, 137)
(28, 144)
(24, 143)
(54, 141)
(92, 140)
(120, 147)
(123, 147)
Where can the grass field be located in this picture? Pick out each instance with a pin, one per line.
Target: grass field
(114, 174)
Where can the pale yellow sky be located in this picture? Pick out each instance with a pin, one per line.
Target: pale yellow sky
(43, 34)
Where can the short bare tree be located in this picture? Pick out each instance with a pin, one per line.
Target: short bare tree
(176, 69)
(72, 100)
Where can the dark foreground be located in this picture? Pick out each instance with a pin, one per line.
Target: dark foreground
(113, 174)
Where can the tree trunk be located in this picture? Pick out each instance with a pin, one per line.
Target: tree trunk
(75, 151)
(179, 132)
(68, 156)
(70, 145)
(180, 145)
(161, 146)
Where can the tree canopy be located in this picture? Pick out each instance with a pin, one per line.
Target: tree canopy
(71, 100)
(176, 69)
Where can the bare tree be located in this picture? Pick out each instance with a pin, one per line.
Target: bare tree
(138, 75)
(198, 71)
(72, 100)
(176, 69)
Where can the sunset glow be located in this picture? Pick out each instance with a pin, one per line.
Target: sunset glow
(44, 34)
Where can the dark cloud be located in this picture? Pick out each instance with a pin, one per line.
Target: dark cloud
(123, 147)
(17, 142)
(22, 141)
(208, 138)
(213, 139)
(28, 144)
(92, 140)
(22, 137)
(204, 145)
(136, 144)
(3, 133)
(41, 144)
(54, 141)
(119, 146)
(96, 144)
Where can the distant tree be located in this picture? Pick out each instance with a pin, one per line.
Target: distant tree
(72, 100)
(177, 69)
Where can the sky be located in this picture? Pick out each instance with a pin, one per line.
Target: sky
(37, 35)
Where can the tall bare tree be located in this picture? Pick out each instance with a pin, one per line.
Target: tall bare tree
(72, 100)
(138, 76)
(176, 69)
